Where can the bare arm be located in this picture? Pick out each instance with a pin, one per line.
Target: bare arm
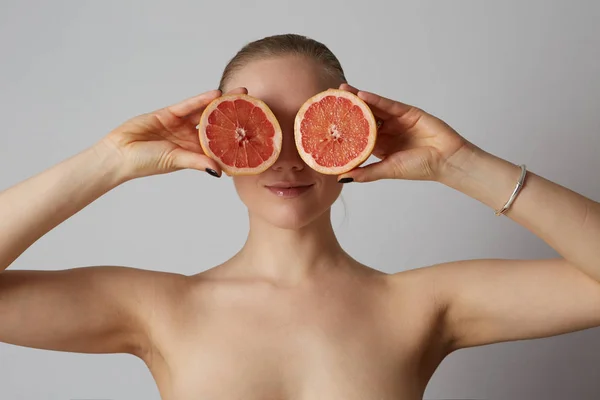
(100, 309)
(488, 301)
(81, 309)
(93, 309)
(37, 205)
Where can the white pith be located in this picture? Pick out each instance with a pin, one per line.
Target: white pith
(334, 131)
(240, 133)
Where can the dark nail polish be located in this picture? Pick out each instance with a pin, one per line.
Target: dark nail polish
(212, 172)
(346, 180)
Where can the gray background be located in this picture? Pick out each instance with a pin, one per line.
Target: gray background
(519, 79)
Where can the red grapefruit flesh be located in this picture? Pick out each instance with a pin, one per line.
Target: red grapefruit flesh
(335, 131)
(241, 133)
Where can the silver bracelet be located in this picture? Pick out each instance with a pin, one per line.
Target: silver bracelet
(515, 192)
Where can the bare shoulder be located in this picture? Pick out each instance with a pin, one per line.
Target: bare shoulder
(418, 291)
(161, 303)
(419, 283)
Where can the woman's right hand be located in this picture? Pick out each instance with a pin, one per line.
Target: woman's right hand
(165, 140)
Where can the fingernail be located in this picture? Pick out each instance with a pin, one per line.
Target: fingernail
(212, 172)
(346, 180)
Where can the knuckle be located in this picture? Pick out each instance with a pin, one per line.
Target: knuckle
(412, 117)
(167, 160)
(425, 166)
(397, 167)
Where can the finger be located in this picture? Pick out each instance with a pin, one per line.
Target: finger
(185, 159)
(193, 104)
(407, 164)
(349, 88)
(385, 105)
(369, 173)
(238, 90)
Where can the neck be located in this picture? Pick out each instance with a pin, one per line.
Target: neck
(289, 255)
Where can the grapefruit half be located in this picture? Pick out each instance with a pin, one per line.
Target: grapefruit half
(241, 133)
(335, 131)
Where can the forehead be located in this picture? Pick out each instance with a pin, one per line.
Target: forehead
(284, 83)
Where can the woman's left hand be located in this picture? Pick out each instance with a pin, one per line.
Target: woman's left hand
(411, 143)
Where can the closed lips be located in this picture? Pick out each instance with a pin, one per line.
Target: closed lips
(287, 185)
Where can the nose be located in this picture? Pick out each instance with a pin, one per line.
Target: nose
(289, 158)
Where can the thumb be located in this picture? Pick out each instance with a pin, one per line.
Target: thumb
(368, 173)
(185, 159)
(238, 90)
(407, 164)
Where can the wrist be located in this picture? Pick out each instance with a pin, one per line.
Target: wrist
(460, 165)
(110, 162)
(482, 176)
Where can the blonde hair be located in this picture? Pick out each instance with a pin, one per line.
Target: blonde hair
(283, 45)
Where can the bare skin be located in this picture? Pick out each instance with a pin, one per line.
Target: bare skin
(292, 315)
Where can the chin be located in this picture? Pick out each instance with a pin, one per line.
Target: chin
(288, 204)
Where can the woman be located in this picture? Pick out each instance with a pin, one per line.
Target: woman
(292, 315)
